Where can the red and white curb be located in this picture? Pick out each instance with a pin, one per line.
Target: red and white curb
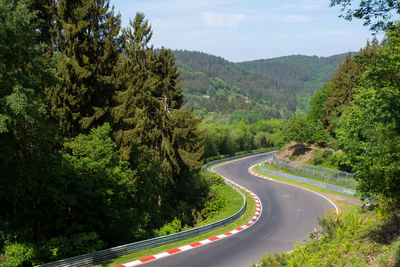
(250, 170)
(252, 221)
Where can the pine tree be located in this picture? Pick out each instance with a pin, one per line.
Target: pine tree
(340, 88)
(134, 79)
(87, 52)
(150, 126)
(45, 14)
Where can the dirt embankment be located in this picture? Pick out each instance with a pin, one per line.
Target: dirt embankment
(301, 152)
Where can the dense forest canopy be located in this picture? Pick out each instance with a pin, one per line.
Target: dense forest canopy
(254, 90)
(97, 149)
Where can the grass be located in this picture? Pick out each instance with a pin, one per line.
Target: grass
(358, 238)
(234, 203)
(343, 206)
(288, 171)
(286, 180)
(247, 215)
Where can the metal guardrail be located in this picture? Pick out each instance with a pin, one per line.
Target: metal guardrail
(332, 187)
(207, 165)
(328, 175)
(111, 253)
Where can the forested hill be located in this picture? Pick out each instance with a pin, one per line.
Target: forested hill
(260, 89)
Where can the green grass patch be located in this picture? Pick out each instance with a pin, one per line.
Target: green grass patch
(290, 181)
(247, 215)
(344, 207)
(233, 202)
(355, 237)
(288, 171)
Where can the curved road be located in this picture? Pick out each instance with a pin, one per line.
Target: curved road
(289, 214)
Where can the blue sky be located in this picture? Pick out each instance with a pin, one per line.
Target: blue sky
(239, 30)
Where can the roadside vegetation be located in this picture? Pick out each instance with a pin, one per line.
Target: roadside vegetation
(233, 202)
(367, 235)
(363, 237)
(354, 123)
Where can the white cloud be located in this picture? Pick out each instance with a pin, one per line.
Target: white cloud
(213, 19)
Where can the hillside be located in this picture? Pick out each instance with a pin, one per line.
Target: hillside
(260, 89)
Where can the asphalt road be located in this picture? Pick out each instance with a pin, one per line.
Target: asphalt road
(289, 215)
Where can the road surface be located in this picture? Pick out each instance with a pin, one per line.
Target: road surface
(289, 215)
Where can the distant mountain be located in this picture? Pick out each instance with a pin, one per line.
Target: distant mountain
(252, 90)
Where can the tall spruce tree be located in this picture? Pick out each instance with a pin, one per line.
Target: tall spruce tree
(344, 80)
(134, 80)
(150, 126)
(45, 14)
(87, 52)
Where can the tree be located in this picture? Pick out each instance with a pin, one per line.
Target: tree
(27, 160)
(133, 88)
(100, 177)
(377, 14)
(159, 138)
(87, 52)
(343, 81)
(25, 73)
(45, 10)
(369, 131)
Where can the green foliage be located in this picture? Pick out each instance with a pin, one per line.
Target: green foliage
(17, 255)
(304, 130)
(86, 49)
(169, 228)
(63, 247)
(115, 158)
(261, 89)
(24, 72)
(341, 87)
(230, 139)
(103, 179)
(343, 241)
(368, 131)
(376, 14)
(215, 203)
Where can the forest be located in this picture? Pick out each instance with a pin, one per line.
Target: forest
(104, 137)
(225, 92)
(96, 147)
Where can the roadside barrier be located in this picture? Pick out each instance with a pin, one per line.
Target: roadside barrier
(331, 176)
(332, 187)
(111, 253)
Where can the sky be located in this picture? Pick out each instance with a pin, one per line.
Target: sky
(240, 30)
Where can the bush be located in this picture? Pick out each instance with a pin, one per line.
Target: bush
(343, 241)
(17, 254)
(169, 228)
(62, 247)
(215, 204)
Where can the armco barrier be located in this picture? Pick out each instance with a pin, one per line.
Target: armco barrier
(111, 253)
(207, 165)
(332, 187)
(328, 175)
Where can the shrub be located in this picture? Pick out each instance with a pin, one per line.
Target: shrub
(215, 204)
(62, 247)
(169, 228)
(17, 254)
